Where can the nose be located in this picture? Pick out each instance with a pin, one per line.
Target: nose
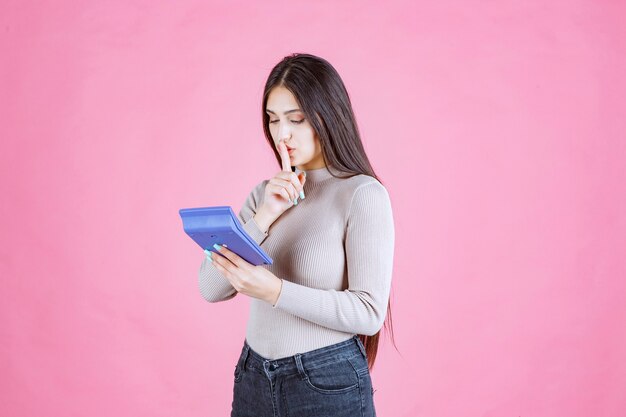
(284, 133)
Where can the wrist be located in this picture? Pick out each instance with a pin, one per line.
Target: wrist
(275, 294)
(263, 219)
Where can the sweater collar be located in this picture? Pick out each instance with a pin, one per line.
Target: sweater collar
(319, 174)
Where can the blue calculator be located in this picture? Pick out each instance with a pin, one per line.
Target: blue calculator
(219, 224)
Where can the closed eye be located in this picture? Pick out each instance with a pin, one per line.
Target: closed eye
(293, 121)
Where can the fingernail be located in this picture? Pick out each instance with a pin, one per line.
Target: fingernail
(295, 202)
(208, 255)
(302, 195)
(217, 247)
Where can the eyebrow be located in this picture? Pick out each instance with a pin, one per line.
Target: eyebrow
(287, 112)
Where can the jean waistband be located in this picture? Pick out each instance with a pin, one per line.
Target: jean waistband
(310, 359)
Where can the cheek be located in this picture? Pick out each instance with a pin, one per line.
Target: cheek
(317, 146)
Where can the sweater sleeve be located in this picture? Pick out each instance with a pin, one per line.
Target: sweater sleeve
(369, 249)
(214, 287)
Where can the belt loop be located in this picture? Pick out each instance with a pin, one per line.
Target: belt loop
(361, 346)
(298, 358)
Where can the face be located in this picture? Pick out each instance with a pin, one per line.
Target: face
(287, 123)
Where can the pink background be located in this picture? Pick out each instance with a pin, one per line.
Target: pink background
(497, 127)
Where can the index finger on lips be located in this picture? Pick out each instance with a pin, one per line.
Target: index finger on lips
(284, 156)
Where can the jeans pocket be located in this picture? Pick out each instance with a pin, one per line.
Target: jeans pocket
(238, 373)
(336, 377)
(239, 366)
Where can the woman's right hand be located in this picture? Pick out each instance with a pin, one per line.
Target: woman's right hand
(282, 190)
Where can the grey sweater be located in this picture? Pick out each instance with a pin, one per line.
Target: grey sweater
(333, 250)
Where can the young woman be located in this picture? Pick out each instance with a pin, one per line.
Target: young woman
(316, 312)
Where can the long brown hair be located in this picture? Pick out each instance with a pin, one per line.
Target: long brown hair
(324, 100)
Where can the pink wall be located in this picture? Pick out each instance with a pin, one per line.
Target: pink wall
(497, 128)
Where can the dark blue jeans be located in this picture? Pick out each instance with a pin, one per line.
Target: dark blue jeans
(330, 381)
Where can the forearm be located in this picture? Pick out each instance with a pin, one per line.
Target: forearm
(361, 312)
(213, 286)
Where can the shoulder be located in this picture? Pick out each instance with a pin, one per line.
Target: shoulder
(367, 191)
(363, 179)
(365, 184)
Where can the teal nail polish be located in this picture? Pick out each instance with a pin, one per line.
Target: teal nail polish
(302, 194)
(217, 247)
(208, 255)
(295, 202)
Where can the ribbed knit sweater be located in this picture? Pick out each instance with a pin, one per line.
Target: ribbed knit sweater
(334, 251)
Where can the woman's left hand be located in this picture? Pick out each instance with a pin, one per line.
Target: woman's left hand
(252, 280)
